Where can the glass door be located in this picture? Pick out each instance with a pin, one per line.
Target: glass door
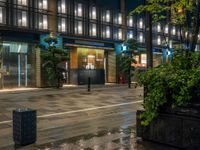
(15, 65)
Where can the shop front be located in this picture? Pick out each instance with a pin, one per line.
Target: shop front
(87, 62)
(17, 64)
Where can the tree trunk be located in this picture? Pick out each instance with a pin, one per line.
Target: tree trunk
(195, 30)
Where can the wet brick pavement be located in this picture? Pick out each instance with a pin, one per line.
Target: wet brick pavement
(115, 139)
(75, 119)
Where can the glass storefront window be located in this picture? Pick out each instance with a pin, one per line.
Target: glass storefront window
(18, 64)
(90, 58)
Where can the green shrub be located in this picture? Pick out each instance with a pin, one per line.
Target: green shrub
(171, 85)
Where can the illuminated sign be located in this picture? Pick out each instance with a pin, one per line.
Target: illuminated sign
(58, 45)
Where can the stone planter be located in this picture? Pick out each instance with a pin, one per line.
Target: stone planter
(181, 130)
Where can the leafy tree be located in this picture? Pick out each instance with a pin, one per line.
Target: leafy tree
(184, 14)
(52, 58)
(126, 59)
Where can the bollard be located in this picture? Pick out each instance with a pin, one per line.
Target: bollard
(89, 84)
(24, 126)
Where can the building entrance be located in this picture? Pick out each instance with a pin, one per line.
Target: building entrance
(87, 62)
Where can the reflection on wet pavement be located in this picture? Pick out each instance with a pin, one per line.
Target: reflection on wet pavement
(116, 139)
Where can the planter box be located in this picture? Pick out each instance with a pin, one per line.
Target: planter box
(24, 126)
(179, 130)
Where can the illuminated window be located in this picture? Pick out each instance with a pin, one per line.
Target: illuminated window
(159, 28)
(43, 22)
(78, 27)
(166, 29)
(130, 35)
(170, 44)
(159, 40)
(62, 25)
(22, 18)
(78, 10)
(130, 21)
(119, 18)
(43, 4)
(140, 23)
(62, 6)
(107, 32)
(22, 2)
(1, 15)
(140, 37)
(107, 15)
(186, 34)
(174, 30)
(93, 14)
(93, 29)
(120, 34)
(143, 59)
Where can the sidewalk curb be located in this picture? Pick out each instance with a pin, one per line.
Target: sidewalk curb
(94, 87)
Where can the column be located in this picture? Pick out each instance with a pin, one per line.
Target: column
(38, 68)
(111, 67)
(53, 21)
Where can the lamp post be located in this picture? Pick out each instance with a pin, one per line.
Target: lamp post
(89, 68)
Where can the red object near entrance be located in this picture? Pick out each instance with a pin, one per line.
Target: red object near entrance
(122, 79)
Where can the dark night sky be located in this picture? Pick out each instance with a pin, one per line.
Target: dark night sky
(108, 3)
(131, 4)
(115, 4)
